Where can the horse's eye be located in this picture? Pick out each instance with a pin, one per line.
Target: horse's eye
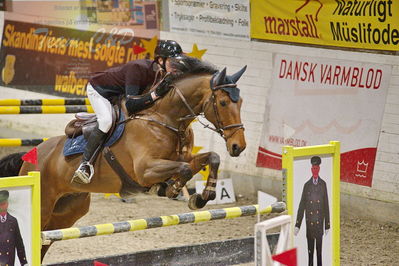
(223, 103)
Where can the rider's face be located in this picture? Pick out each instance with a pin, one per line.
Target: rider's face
(315, 170)
(3, 207)
(168, 65)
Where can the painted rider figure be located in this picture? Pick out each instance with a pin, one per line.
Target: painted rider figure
(314, 203)
(10, 235)
(131, 80)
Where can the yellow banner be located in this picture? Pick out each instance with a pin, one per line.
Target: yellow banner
(363, 24)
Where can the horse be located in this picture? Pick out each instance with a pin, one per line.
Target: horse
(154, 150)
(306, 3)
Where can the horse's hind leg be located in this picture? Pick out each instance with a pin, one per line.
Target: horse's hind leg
(158, 171)
(67, 211)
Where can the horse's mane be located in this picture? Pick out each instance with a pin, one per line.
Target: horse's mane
(187, 66)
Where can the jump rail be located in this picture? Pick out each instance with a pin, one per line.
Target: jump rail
(69, 101)
(56, 109)
(154, 222)
(20, 142)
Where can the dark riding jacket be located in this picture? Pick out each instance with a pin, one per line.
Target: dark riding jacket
(130, 79)
(314, 203)
(11, 241)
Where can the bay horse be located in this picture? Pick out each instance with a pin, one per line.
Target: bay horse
(148, 150)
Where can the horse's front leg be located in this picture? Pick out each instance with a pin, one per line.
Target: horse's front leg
(158, 171)
(198, 162)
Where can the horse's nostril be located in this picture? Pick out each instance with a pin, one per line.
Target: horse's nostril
(236, 148)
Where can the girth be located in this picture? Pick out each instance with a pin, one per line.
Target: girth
(129, 186)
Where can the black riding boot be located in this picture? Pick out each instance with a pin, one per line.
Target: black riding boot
(86, 169)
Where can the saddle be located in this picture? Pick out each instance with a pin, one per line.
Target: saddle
(84, 123)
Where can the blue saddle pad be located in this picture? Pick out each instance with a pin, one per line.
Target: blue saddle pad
(77, 145)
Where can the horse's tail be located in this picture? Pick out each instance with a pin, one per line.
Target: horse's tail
(11, 164)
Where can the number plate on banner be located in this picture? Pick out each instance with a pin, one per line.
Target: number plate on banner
(224, 191)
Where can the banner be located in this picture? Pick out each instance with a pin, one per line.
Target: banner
(363, 24)
(315, 100)
(142, 17)
(58, 61)
(2, 5)
(218, 18)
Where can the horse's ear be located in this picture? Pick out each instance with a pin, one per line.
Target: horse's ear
(235, 77)
(219, 77)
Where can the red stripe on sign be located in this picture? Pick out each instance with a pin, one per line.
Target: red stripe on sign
(269, 152)
(357, 166)
(268, 159)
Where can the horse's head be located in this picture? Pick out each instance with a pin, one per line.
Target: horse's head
(201, 89)
(222, 109)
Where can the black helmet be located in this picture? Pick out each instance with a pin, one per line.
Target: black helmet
(168, 48)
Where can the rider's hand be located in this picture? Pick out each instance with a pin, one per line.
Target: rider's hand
(163, 88)
(296, 231)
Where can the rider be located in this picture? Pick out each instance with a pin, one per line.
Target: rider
(131, 80)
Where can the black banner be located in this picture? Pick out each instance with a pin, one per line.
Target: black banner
(56, 60)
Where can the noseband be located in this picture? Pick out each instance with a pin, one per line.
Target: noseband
(219, 128)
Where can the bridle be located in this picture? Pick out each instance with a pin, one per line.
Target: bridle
(180, 131)
(219, 128)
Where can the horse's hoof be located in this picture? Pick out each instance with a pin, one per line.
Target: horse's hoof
(172, 191)
(158, 190)
(196, 202)
(208, 195)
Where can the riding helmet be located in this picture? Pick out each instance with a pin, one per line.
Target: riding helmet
(168, 48)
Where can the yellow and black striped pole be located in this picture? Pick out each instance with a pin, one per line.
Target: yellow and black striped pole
(19, 102)
(161, 221)
(56, 109)
(20, 142)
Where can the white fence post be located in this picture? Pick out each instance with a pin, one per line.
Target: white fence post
(263, 255)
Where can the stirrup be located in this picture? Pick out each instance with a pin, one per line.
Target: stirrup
(81, 176)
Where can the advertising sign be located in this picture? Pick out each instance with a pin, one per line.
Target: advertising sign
(317, 99)
(57, 60)
(217, 18)
(53, 46)
(362, 24)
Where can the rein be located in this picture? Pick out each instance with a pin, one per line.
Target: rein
(219, 126)
(220, 129)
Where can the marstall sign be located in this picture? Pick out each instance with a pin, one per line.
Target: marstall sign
(365, 24)
(322, 99)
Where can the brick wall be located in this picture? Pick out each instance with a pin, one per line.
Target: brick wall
(255, 85)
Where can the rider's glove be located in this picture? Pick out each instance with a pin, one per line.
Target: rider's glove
(164, 87)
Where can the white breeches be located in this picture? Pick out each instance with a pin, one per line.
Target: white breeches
(102, 107)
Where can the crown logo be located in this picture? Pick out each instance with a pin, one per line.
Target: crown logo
(362, 167)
